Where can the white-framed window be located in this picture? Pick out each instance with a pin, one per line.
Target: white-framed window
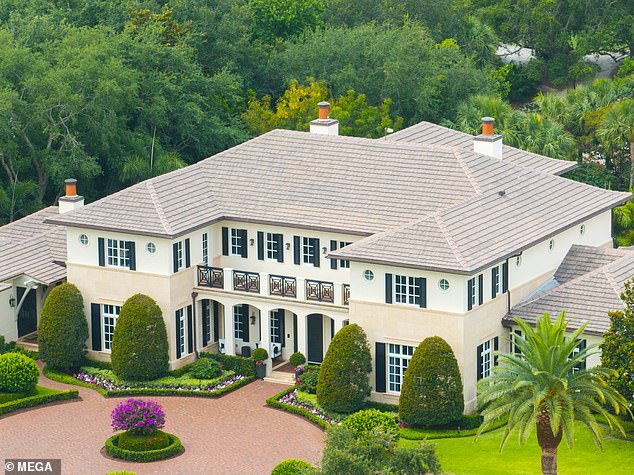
(83, 240)
(180, 318)
(472, 292)
(272, 247)
(151, 247)
(276, 326)
(368, 275)
(486, 358)
(180, 256)
(308, 251)
(406, 290)
(118, 253)
(238, 322)
(205, 246)
(237, 242)
(398, 357)
(443, 284)
(581, 345)
(110, 314)
(497, 280)
(344, 263)
(517, 333)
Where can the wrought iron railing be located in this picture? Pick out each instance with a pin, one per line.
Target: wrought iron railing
(213, 277)
(282, 286)
(346, 294)
(246, 281)
(320, 291)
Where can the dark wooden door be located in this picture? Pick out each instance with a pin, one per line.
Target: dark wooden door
(27, 317)
(315, 328)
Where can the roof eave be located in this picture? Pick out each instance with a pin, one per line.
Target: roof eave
(507, 321)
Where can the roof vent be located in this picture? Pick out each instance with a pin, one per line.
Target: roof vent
(324, 124)
(71, 201)
(502, 193)
(488, 143)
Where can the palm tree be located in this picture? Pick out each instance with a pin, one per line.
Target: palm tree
(617, 130)
(544, 387)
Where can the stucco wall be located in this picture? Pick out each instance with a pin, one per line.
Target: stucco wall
(8, 324)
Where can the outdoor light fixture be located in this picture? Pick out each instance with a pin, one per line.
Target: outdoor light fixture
(12, 301)
(253, 319)
(324, 250)
(252, 241)
(288, 246)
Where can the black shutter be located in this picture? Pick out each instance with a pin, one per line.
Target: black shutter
(582, 346)
(315, 245)
(297, 249)
(175, 256)
(279, 242)
(102, 251)
(188, 255)
(216, 321)
(131, 254)
(421, 284)
(479, 362)
(495, 272)
(243, 243)
(495, 348)
(178, 337)
(388, 288)
(505, 277)
(204, 304)
(333, 247)
(469, 294)
(480, 289)
(282, 314)
(260, 245)
(190, 330)
(225, 241)
(245, 323)
(95, 324)
(332, 328)
(379, 367)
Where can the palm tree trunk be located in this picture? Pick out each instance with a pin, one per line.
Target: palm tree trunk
(548, 443)
(631, 166)
(549, 461)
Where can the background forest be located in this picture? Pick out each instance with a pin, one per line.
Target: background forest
(114, 91)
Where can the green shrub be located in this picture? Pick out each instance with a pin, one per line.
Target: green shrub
(260, 354)
(432, 389)
(41, 396)
(206, 368)
(140, 351)
(368, 420)
(18, 373)
(237, 364)
(12, 347)
(293, 467)
(113, 449)
(121, 472)
(308, 380)
(297, 359)
(142, 443)
(63, 329)
(343, 381)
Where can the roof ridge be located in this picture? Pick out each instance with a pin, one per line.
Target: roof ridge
(157, 206)
(467, 171)
(450, 241)
(611, 280)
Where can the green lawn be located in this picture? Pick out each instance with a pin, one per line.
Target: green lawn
(471, 456)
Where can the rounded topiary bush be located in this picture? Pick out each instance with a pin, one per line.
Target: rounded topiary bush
(293, 467)
(297, 359)
(206, 368)
(18, 373)
(343, 384)
(63, 329)
(260, 354)
(140, 350)
(432, 389)
(366, 421)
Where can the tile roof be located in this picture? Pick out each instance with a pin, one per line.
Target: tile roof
(586, 297)
(428, 133)
(34, 248)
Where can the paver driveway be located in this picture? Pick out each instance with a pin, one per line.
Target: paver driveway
(235, 434)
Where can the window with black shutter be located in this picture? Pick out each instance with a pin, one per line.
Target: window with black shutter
(205, 309)
(297, 250)
(333, 247)
(95, 326)
(260, 245)
(480, 289)
(131, 254)
(188, 256)
(505, 277)
(101, 242)
(495, 281)
(225, 241)
(190, 330)
(380, 366)
(471, 284)
(388, 288)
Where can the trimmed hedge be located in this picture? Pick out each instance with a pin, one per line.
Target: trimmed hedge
(140, 351)
(112, 449)
(411, 433)
(368, 420)
(50, 395)
(18, 373)
(12, 347)
(206, 368)
(237, 364)
(139, 443)
(432, 389)
(273, 402)
(293, 467)
(343, 380)
(63, 329)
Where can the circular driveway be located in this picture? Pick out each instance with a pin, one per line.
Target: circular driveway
(234, 434)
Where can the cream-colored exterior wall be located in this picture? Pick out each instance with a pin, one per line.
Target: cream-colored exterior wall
(8, 322)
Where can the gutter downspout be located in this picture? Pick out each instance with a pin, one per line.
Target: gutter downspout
(195, 321)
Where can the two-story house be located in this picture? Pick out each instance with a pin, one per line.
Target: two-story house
(282, 240)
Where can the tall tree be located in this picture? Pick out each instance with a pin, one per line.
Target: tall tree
(545, 388)
(617, 130)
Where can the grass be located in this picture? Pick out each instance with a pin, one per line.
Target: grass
(481, 456)
(40, 395)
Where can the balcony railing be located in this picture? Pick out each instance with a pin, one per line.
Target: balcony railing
(213, 277)
(346, 294)
(282, 286)
(320, 291)
(246, 281)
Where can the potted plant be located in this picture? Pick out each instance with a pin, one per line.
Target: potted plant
(297, 360)
(260, 355)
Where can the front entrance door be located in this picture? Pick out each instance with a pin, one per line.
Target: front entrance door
(315, 328)
(27, 318)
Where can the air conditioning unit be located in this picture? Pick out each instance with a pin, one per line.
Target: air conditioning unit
(276, 350)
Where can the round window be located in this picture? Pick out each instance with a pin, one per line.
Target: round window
(443, 284)
(368, 274)
(83, 239)
(551, 244)
(582, 229)
(151, 247)
(518, 261)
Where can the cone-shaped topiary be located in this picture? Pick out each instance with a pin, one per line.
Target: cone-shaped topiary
(343, 382)
(63, 329)
(140, 351)
(432, 389)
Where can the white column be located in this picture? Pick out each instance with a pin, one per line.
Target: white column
(228, 324)
(264, 283)
(338, 290)
(301, 289)
(265, 329)
(301, 334)
(228, 279)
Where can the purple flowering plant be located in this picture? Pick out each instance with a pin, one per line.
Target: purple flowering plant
(138, 416)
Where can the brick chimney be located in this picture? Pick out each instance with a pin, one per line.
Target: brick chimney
(324, 124)
(71, 201)
(488, 143)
